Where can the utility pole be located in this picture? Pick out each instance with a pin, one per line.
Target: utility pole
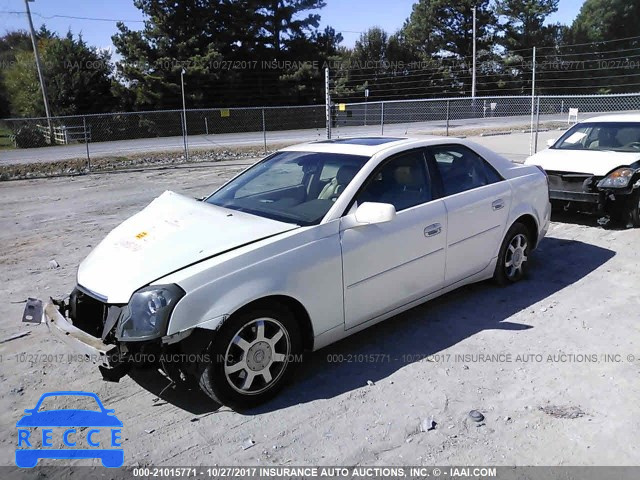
(39, 68)
(473, 73)
(184, 118)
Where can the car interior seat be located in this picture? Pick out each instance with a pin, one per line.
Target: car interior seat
(407, 189)
(336, 186)
(463, 175)
(606, 139)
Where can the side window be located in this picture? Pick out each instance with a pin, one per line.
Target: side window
(401, 181)
(462, 169)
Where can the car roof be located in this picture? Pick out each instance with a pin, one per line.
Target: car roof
(620, 117)
(367, 146)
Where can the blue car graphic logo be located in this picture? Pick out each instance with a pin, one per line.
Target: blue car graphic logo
(77, 423)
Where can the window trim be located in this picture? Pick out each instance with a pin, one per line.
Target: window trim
(433, 163)
(383, 164)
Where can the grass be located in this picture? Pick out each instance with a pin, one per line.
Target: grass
(5, 139)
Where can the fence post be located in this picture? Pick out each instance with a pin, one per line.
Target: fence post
(183, 116)
(264, 131)
(206, 126)
(381, 118)
(535, 142)
(448, 110)
(86, 142)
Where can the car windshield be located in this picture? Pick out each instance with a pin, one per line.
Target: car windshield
(292, 187)
(69, 402)
(602, 136)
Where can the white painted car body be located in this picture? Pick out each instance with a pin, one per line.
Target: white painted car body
(591, 163)
(345, 275)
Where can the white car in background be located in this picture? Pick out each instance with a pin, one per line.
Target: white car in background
(595, 166)
(310, 245)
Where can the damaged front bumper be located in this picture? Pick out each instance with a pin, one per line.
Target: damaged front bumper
(580, 192)
(76, 325)
(80, 341)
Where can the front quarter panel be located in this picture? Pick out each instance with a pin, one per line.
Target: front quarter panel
(303, 264)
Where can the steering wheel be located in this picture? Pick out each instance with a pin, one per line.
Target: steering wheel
(633, 145)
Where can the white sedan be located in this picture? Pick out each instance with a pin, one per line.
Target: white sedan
(306, 247)
(595, 166)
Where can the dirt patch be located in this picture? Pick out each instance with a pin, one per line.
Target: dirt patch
(475, 132)
(563, 411)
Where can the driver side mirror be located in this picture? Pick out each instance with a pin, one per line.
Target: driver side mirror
(370, 213)
(551, 141)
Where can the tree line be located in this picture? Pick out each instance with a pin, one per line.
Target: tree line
(272, 52)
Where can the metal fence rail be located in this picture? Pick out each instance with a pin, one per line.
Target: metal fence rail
(129, 132)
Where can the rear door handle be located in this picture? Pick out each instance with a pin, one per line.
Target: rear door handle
(432, 230)
(497, 204)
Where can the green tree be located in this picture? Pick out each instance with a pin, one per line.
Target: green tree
(23, 87)
(284, 21)
(524, 26)
(223, 46)
(77, 78)
(12, 44)
(188, 34)
(305, 83)
(441, 32)
(605, 42)
(601, 20)
(445, 28)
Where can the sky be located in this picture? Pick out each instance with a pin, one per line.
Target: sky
(351, 17)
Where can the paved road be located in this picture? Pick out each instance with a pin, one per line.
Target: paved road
(137, 146)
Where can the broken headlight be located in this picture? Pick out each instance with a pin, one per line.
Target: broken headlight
(147, 314)
(619, 178)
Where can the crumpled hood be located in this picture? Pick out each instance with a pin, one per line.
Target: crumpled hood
(172, 232)
(582, 161)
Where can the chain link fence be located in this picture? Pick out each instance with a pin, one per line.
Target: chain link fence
(129, 133)
(125, 134)
(475, 116)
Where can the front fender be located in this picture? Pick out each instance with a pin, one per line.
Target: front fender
(305, 265)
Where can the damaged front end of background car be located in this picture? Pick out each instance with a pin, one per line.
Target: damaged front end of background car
(616, 196)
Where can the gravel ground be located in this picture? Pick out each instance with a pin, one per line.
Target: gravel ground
(531, 357)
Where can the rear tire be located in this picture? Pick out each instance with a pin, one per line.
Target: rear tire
(513, 259)
(251, 357)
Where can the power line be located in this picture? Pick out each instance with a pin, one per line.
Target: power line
(498, 76)
(49, 17)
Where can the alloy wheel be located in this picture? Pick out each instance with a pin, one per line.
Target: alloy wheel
(257, 356)
(516, 256)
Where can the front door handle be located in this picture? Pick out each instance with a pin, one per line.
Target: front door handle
(497, 204)
(432, 230)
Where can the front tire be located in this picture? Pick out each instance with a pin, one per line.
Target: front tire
(634, 211)
(251, 357)
(513, 259)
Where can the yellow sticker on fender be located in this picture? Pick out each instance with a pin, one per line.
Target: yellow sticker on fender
(141, 235)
